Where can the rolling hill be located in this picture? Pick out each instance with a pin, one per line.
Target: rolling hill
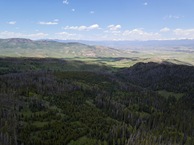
(19, 47)
(161, 76)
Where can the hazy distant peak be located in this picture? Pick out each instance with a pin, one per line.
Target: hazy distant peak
(19, 40)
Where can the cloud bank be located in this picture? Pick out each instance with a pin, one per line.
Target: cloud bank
(82, 28)
(110, 32)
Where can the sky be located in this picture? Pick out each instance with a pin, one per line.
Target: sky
(97, 20)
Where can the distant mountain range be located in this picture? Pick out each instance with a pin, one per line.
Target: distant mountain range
(137, 44)
(176, 51)
(52, 48)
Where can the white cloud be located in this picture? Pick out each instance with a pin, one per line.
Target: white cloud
(139, 34)
(71, 28)
(184, 33)
(48, 23)
(7, 34)
(145, 4)
(12, 22)
(91, 12)
(65, 33)
(66, 36)
(65, 2)
(73, 10)
(37, 35)
(135, 34)
(172, 17)
(165, 29)
(114, 27)
(56, 20)
(106, 34)
(134, 31)
(115, 33)
(95, 26)
(82, 28)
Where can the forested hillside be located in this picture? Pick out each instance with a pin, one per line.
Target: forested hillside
(163, 76)
(59, 102)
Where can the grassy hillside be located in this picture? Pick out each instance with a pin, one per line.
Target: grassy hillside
(17, 47)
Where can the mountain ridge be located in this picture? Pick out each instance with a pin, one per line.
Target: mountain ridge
(161, 76)
(48, 48)
(124, 44)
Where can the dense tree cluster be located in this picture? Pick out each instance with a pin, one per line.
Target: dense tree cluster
(53, 106)
(167, 76)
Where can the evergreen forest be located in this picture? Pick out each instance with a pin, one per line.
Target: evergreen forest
(47, 101)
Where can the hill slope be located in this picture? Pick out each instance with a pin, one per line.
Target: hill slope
(27, 48)
(161, 76)
(54, 102)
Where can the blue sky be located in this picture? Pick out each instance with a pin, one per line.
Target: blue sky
(97, 19)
